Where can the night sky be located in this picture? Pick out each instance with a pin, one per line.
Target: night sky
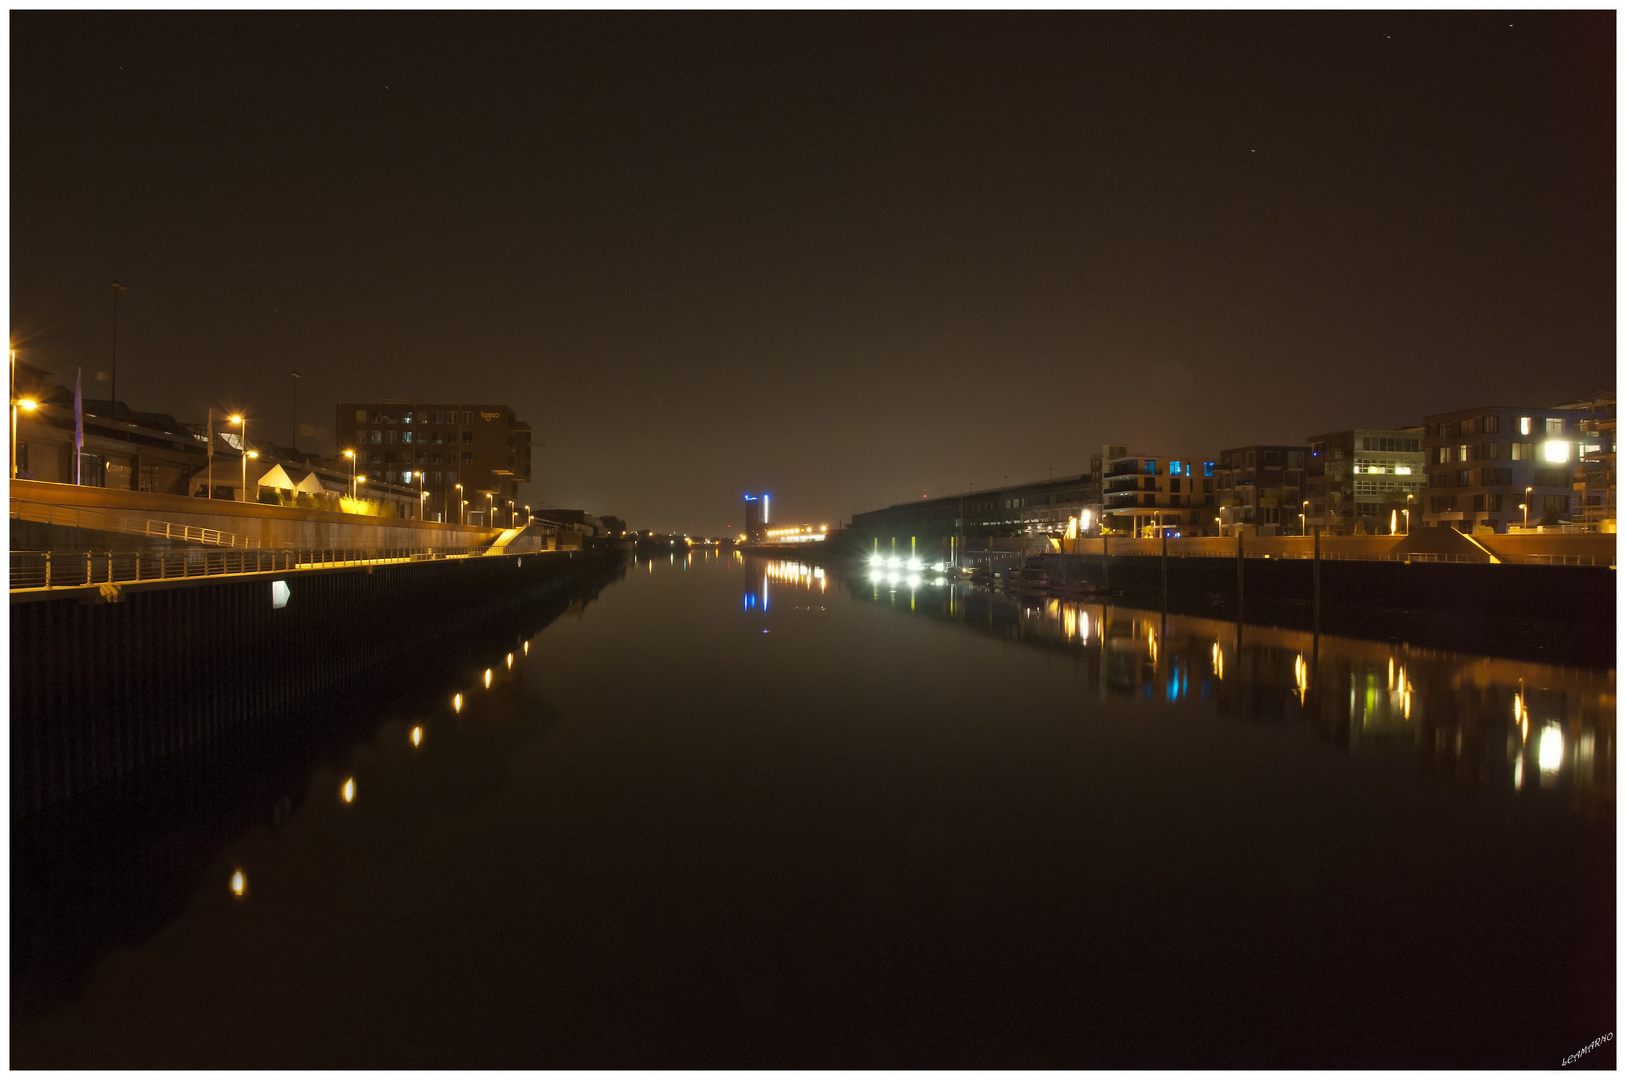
(845, 258)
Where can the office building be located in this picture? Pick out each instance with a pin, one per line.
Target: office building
(756, 518)
(483, 448)
(1365, 480)
(972, 519)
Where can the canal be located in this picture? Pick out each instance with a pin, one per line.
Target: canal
(723, 812)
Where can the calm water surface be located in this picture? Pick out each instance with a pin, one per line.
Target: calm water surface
(739, 813)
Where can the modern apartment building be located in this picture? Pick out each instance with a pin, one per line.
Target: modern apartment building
(1496, 466)
(1365, 480)
(483, 448)
(1592, 502)
(1145, 495)
(1260, 489)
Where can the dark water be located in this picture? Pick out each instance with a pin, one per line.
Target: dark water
(739, 814)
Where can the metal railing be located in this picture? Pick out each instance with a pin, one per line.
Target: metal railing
(78, 569)
(136, 524)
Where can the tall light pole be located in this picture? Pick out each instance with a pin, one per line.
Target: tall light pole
(461, 503)
(1526, 507)
(296, 376)
(113, 391)
(1304, 523)
(25, 404)
(1409, 498)
(246, 456)
(419, 474)
(240, 419)
(491, 512)
(351, 454)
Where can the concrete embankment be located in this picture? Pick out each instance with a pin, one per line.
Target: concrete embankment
(101, 691)
(60, 516)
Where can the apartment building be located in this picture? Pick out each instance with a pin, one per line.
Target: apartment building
(1592, 499)
(1494, 466)
(1145, 495)
(472, 457)
(1259, 490)
(1364, 480)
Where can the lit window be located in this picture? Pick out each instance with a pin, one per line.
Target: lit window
(1524, 425)
(1462, 453)
(1555, 425)
(1555, 450)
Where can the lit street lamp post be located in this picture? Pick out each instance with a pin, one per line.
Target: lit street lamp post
(1409, 498)
(25, 404)
(419, 474)
(1526, 508)
(461, 503)
(240, 419)
(351, 454)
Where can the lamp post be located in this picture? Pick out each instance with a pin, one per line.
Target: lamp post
(1304, 524)
(1526, 508)
(296, 376)
(351, 454)
(461, 503)
(249, 454)
(422, 495)
(491, 511)
(25, 404)
(1409, 498)
(1219, 530)
(419, 474)
(113, 391)
(510, 513)
(240, 419)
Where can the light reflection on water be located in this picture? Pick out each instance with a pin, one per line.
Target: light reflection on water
(1491, 722)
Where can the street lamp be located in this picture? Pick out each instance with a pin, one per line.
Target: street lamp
(461, 503)
(419, 475)
(510, 513)
(25, 404)
(250, 454)
(491, 511)
(1219, 530)
(1526, 508)
(1304, 524)
(351, 454)
(240, 419)
(1409, 498)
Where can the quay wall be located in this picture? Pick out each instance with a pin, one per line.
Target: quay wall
(270, 526)
(102, 691)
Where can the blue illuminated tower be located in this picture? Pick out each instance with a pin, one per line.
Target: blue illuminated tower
(756, 518)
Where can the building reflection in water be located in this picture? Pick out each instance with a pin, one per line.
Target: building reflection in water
(1477, 720)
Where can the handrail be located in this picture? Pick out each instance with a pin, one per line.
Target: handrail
(44, 570)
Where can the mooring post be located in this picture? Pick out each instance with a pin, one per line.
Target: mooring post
(1165, 574)
(1315, 588)
(1239, 577)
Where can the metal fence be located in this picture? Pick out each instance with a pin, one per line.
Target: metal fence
(77, 569)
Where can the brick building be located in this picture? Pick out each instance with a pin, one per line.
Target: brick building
(483, 448)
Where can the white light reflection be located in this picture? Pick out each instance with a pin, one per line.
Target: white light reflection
(1550, 751)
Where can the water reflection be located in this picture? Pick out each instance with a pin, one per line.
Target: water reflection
(117, 864)
(1495, 723)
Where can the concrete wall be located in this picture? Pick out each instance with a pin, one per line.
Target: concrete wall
(272, 526)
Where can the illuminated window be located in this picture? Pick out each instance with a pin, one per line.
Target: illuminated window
(1524, 425)
(1555, 425)
(375, 436)
(406, 436)
(1462, 453)
(1555, 450)
(406, 418)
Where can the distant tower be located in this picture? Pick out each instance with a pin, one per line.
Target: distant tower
(756, 518)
